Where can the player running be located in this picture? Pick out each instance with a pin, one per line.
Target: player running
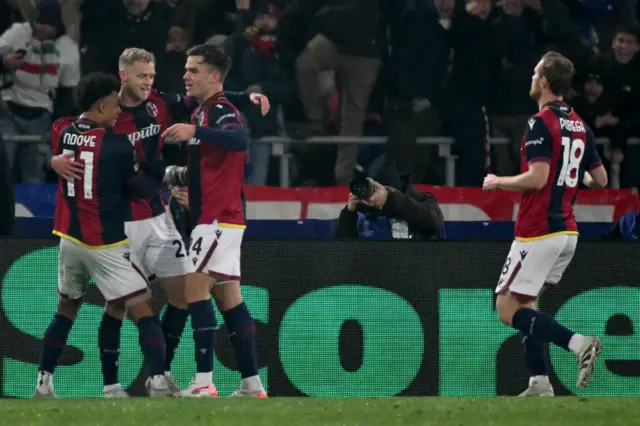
(157, 244)
(89, 219)
(215, 174)
(557, 149)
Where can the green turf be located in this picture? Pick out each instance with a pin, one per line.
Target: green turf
(567, 411)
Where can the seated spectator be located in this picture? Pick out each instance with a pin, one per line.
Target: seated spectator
(45, 66)
(395, 210)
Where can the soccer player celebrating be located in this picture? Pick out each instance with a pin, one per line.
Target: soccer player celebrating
(89, 219)
(557, 149)
(216, 158)
(157, 244)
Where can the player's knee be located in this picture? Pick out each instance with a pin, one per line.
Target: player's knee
(174, 288)
(505, 308)
(140, 306)
(115, 310)
(227, 295)
(69, 307)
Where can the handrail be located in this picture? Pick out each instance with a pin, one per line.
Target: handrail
(280, 146)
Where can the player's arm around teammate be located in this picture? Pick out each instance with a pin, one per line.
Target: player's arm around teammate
(217, 142)
(93, 244)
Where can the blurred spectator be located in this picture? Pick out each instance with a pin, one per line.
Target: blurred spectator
(344, 42)
(7, 202)
(45, 66)
(595, 106)
(214, 17)
(108, 27)
(27, 10)
(257, 68)
(515, 55)
(416, 75)
(620, 72)
(9, 14)
(464, 109)
(604, 15)
(395, 210)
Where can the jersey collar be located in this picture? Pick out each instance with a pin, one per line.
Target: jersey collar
(561, 105)
(84, 120)
(213, 98)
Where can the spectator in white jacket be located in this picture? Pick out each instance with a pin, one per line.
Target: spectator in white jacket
(41, 65)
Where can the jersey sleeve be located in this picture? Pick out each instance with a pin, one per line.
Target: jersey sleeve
(180, 107)
(56, 131)
(223, 116)
(538, 144)
(591, 157)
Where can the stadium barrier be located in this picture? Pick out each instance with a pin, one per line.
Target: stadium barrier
(350, 319)
(280, 148)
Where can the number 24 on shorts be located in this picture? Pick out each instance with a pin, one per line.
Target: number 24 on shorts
(182, 250)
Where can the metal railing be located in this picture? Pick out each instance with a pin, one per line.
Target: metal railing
(280, 149)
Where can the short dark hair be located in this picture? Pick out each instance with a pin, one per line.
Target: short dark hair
(94, 87)
(559, 72)
(214, 57)
(628, 28)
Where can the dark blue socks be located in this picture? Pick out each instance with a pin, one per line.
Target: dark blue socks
(541, 327)
(54, 342)
(109, 345)
(173, 323)
(535, 356)
(203, 321)
(242, 332)
(152, 344)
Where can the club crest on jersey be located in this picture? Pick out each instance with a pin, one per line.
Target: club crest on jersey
(152, 109)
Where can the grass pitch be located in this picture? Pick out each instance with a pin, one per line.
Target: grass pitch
(569, 411)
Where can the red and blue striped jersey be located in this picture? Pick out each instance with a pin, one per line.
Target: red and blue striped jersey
(558, 136)
(215, 174)
(91, 211)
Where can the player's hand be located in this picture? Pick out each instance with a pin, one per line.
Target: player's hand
(13, 60)
(262, 101)
(182, 197)
(379, 196)
(490, 182)
(353, 202)
(64, 166)
(180, 132)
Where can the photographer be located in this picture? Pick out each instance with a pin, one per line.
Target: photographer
(394, 210)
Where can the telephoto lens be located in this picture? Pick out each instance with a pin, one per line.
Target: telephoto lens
(360, 185)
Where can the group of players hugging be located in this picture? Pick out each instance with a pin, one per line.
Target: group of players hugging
(113, 227)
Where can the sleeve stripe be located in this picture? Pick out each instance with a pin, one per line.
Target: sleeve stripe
(594, 165)
(539, 160)
(230, 126)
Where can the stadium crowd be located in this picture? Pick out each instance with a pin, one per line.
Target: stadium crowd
(402, 69)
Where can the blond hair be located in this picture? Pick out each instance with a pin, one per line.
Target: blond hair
(132, 55)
